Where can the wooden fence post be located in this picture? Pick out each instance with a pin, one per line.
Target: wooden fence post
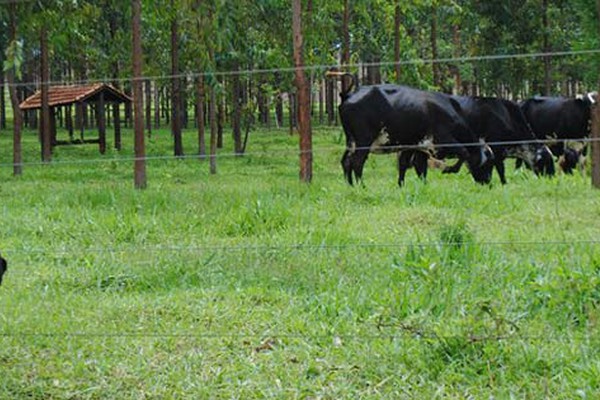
(595, 114)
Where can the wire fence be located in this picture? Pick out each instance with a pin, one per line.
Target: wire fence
(320, 68)
(403, 333)
(296, 152)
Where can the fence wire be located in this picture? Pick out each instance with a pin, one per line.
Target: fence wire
(321, 68)
(296, 152)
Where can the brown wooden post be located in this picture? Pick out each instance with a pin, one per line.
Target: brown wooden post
(100, 113)
(69, 120)
(595, 146)
(117, 124)
(304, 127)
(595, 114)
(53, 126)
(138, 123)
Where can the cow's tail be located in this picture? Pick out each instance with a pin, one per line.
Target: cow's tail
(345, 93)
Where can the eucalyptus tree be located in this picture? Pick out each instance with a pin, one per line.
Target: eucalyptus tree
(12, 67)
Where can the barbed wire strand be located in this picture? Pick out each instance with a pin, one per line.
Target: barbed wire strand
(390, 149)
(317, 68)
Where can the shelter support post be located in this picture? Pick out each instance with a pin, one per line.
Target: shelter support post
(101, 123)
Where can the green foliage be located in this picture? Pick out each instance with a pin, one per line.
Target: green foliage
(14, 57)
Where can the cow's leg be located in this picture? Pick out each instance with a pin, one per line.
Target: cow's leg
(347, 166)
(518, 163)
(420, 163)
(359, 158)
(499, 164)
(453, 169)
(403, 165)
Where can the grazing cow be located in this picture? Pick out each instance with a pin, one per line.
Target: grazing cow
(3, 268)
(502, 125)
(560, 118)
(384, 118)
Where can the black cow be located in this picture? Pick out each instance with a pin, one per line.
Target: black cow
(3, 268)
(560, 118)
(502, 125)
(383, 118)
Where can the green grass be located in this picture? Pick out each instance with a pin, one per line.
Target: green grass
(250, 284)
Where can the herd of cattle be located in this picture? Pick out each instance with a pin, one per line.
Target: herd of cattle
(421, 126)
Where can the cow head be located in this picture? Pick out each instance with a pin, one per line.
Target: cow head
(481, 163)
(537, 157)
(570, 159)
(589, 99)
(3, 268)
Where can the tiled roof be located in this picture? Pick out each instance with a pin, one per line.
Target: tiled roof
(63, 95)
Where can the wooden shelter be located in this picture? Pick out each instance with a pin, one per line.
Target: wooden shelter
(66, 96)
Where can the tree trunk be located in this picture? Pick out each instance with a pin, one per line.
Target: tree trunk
(546, 34)
(45, 111)
(200, 116)
(279, 102)
(138, 124)
(303, 95)
(17, 114)
(397, 22)
(329, 102)
(346, 43)
(156, 106)
(212, 115)
(236, 120)
(220, 121)
(457, 52)
(176, 83)
(148, 104)
(434, 50)
(2, 96)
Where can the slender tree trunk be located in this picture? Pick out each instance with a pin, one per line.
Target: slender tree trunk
(546, 34)
(200, 116)
(279, 102)
(329, 102)
(138, 123)
(346, 43)
(457, 52)
(303, 95)
(212, 115)
(156, 106)
(176, 86)
(2, 96)
(17, 114)
(236, 120)
(397, 22)
(434, 50)
(220, 122)
(116, 115)
(148, 104)
(45, 112)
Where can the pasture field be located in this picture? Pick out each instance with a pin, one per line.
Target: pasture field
(249, 284)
